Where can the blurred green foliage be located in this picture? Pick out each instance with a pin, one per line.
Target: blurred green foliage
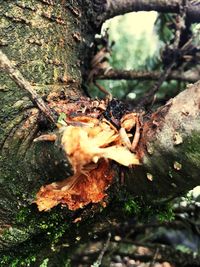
(139, 42)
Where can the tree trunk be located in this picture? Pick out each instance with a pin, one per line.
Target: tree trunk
(50, 42)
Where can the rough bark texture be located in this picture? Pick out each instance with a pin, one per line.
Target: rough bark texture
(171, 142)
(49, 42)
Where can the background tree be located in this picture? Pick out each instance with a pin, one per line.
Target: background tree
(48, 51)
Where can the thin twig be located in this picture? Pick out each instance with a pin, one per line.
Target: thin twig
(151, 264)
(15, 75)
(102, 89)
(149, 97)
(100, 258)
(117, 74)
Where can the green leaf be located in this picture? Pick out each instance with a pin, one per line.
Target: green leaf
(62, 118)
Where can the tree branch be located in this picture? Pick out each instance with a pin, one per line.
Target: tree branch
(149, 97)
(119, 7)
(170, 150)
(115, 74)
(15, 75)
(167, 154)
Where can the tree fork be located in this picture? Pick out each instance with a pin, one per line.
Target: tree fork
(168, 145)
(50, 43)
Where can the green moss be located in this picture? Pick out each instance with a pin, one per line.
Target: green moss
(18, 261)
(131, 207)
(145, 211)
(166, 214)
(51, 227)
(52, 223)
(44, 263)
(46, 231)
(192, 148)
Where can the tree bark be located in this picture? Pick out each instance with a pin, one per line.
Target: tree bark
(50, 43)
(171, 152)
(114, 8)
(115, 74)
